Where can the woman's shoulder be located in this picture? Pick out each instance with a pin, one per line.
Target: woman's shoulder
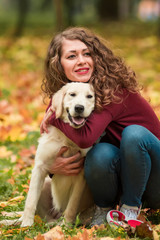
(125, 100)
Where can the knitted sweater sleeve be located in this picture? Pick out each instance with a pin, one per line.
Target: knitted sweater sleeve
(87, 135)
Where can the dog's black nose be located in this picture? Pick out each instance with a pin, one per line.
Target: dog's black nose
(79, 108)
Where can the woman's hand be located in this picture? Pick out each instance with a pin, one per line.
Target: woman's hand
(45, 121)
(44, 126)
(67, 166)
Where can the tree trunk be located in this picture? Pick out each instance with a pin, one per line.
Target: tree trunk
(158, 19)
(69, 7)
(123, 8)
(107, 9)
(23, 8)
(59, 14)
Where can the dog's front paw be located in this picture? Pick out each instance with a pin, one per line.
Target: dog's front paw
(27, 222)
(69, 217)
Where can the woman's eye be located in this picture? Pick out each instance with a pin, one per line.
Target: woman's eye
(89, 96)
(87, 54)
(71, 56)
(72, 94)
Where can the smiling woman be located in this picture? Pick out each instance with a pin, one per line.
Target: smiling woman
(123, 129)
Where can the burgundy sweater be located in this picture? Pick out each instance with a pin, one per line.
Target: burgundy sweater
(107, 125)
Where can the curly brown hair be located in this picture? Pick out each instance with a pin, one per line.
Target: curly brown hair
(110, 75)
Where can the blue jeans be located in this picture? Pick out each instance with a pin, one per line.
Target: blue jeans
(129, 174)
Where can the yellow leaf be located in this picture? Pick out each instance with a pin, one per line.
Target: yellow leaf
(12, 201)
(4, 153)
(3, 204)
(17, 199)
(16, 133)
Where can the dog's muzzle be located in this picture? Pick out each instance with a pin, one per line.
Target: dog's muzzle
(77, 120)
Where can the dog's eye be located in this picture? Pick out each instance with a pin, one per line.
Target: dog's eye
(89, 96)
(72, 94)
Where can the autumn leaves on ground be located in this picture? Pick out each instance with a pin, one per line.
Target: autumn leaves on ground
(22, 109)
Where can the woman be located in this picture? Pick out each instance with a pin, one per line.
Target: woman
(123, 166)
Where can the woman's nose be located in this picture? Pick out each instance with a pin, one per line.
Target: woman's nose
(81, 59)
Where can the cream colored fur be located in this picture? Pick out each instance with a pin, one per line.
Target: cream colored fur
(70, 194)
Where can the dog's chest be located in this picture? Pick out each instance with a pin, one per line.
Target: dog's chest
(59, 139)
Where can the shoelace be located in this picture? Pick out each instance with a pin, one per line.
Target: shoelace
(130, 214)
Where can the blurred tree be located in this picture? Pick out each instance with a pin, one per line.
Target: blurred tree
(64, 11)
(115, 9)
(69, 7)
(45, 4)
(23, 8)
(107, 9)
(59, 14)
(123, 8)
(159, 19)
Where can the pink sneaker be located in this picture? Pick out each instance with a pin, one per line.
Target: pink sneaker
(119, 219)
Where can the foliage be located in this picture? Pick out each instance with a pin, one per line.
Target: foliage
(22, 109)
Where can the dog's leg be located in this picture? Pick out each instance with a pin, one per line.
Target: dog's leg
(36, 184)
(74, 201)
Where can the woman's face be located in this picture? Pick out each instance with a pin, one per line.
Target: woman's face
(76, 61)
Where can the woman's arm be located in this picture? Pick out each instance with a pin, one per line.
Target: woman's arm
(87, 135)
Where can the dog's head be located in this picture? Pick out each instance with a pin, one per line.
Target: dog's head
(74, 102)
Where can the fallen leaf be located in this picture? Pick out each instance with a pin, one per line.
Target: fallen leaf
(144, 231)
(155, 235)
(3, 204)
(16, 133)
(4, 153)
(54, 233)
(85, 235)
(16, 199)
(109, 238)
(39, 237)
(11, 214)
(11, 180)
(28, 152)
(12, 201)
(5, 107)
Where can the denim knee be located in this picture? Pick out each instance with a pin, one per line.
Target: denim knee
(133, 134)
(102, 158)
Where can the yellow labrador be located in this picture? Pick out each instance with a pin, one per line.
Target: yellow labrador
(73, 103)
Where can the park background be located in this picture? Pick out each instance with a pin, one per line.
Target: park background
(131, 29)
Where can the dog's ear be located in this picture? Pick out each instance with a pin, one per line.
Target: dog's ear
(57, 101)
